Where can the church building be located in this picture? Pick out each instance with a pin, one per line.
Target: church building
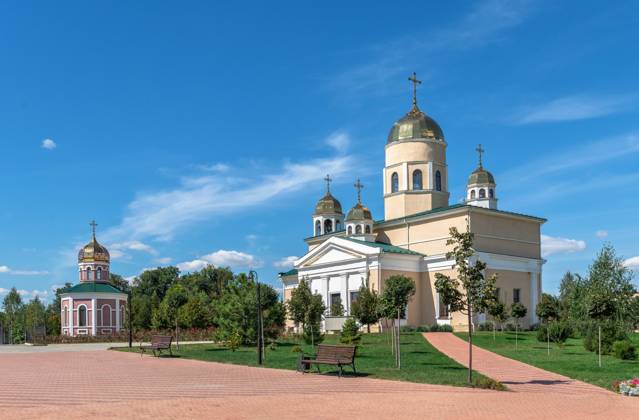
(345, 253)
(94, 306)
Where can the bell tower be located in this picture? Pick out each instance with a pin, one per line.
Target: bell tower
(415, 172)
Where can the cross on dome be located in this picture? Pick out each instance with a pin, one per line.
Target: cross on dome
(93, 226)
(328, 180)
(415, 82)
(480, 150)
(359, 187)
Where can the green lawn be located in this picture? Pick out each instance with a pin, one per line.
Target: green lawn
(572, 360)
(421, 362)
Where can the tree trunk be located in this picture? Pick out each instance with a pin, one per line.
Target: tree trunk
(177, 340)
(470, 346)
(548, 336)
(494, 328)
(600, 346)
(368, 328)
(399, 353)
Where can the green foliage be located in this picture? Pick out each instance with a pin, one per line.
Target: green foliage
(557, 331)
(611, 331)
(489, 383)
(624, 350)
(394, 299)
(306, 308)
(518, 311)
(548, 308)
(119, 282)
(196, 312)
(350, 332)
(337, 309)
(296, 349)
(13, 319)
(312, 333)
(234, 340)
(367, 307)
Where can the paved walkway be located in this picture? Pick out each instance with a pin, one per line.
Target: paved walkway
(517, 376)
(111, 384)
(23, 348)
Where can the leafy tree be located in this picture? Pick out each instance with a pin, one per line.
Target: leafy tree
(299, 302)
(196, 312)
(337, 309)
(119, 282)
(470, 292)
(366, 308)
(498, 312)
(13, 308)
(210, 280)
(548, 308)
(53, 310)
(517, 311)
(572, 291)
(350, 332)
(306, 309)
(35, 314)
(156, 281)
(398, 290)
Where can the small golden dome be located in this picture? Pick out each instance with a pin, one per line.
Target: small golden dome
(93, 251)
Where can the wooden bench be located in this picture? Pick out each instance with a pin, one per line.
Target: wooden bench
(158, 344)
(333, 355)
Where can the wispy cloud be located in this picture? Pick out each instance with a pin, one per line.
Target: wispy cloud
(6, 270)
(556, 245)
(48, 144)
(215, 167)
(601, 234)
(286, 262)
(576, 107)
(119, 250)
(339, 140)
(482, 25)
(159, 215)
(221, 258)
(632, 263)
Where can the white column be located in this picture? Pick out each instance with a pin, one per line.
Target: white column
(348, 296)
(431, 175)
(405, 170)
(384, 181)
(326, 294)
(94, 317)
(71, 333)
(117, 314)
(534, 297)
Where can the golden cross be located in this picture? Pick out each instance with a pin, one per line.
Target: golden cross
(359, 187)
(328, 180)
(93, 225)
(480, 151)
(415, 83)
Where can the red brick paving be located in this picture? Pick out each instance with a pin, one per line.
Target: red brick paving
(109, 384)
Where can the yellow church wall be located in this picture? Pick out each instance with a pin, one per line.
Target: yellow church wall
(407, 151)
(421, 303)
(507, 281)
(501, 234)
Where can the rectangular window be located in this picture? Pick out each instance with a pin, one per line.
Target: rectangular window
(354, 297)
(336, 305)
(516, 297)
(443, 310)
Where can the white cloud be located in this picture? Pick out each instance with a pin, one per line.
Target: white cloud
(215, 167)
(339, 141)
(164, 260)
(42, 294)
(555, 245)
(160, 214)
(286, 262)
(601, 234)
(576, 107)
(118, 249)
(632, 263)
(221, 258)
(48, 144)
(7, 270)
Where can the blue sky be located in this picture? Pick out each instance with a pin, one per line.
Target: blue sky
(195, 132)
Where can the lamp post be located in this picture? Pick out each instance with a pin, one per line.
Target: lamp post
(260, 331)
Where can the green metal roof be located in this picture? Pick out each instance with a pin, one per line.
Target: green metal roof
(385, 247)
(289, 272)
(91, 287)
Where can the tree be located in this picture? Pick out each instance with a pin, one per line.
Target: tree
(337, 309)
(306, 309)
(196, 312)
(366, 308)
(470, 293)
(517, 311)
(13, 307)
(397, 292)
(175, 297)
(299, 302)
(548, 310)
(119, 282)
(498, 312)
(35, 314)
(350, 332)
(54, 309)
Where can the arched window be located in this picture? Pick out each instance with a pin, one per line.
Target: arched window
(106, 315)
(394, 182)
(472, 194)
(482, 193)
(88, 273)
(350, 230)
(491, 193)
(368, 229)
(82, 316)
(438, 181)
(328, 226)
(98, 274)
(358, 229)
(318, 228)
(417, 180)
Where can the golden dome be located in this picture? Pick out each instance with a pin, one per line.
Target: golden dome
(93, 251)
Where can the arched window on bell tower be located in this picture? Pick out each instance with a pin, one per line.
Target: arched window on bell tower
(89, 274)
(417, 180)
(438, 181)
(328, 226)
(394, 182)
(318, 228)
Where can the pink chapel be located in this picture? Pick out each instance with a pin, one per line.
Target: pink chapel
(94, 306)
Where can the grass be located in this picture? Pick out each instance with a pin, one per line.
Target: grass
(571, 360)
(421, 362)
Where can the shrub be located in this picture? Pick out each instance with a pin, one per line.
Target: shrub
(560, 331)
(296, 349)
(423, 328)
(488, 383)
(624, 350)
(509, 326)
(312, 333)
(407, 329)
(610, 332)
(234, 340)
(445, 328)
(350, 332)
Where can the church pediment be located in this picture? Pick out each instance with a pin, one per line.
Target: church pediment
(335, 250)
